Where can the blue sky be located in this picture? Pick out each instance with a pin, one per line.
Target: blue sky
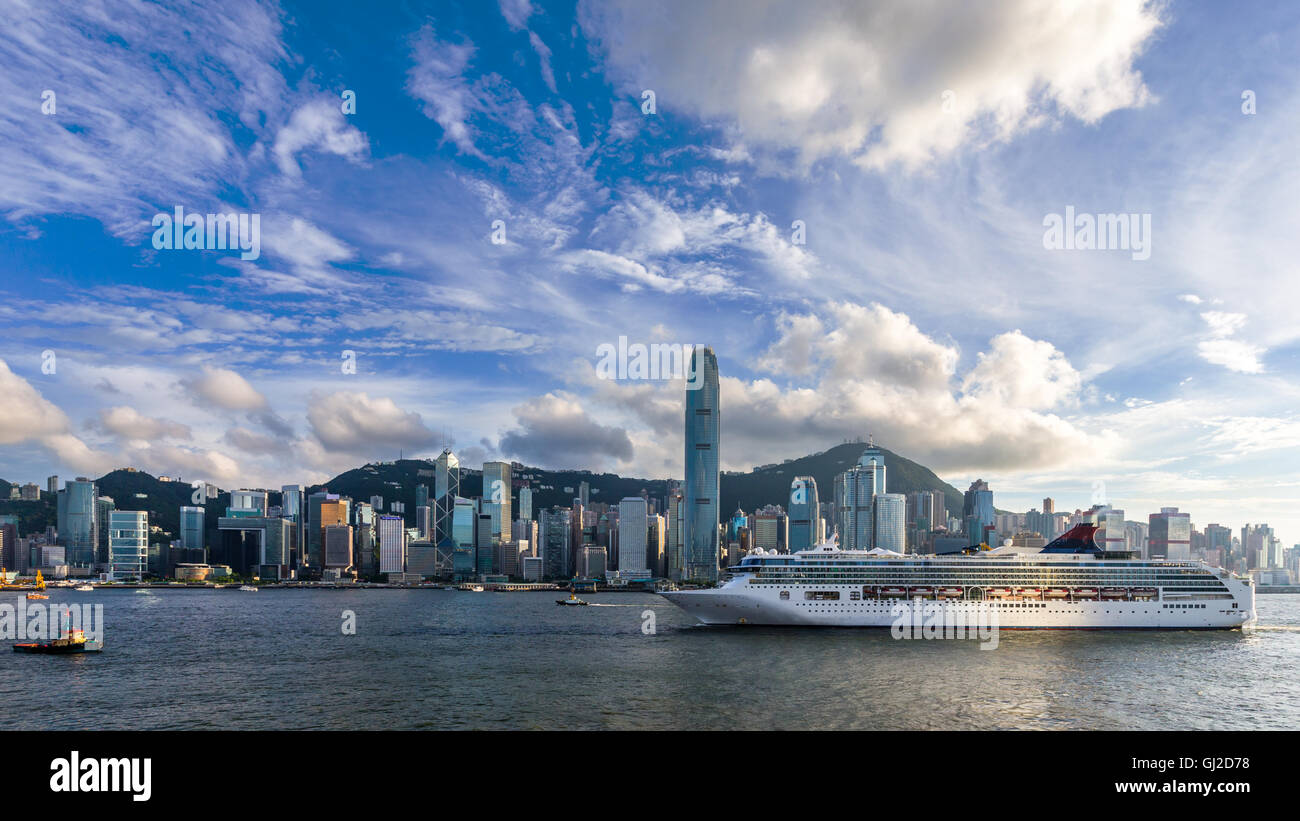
(921, 145)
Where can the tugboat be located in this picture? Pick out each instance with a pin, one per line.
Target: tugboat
(73, 641)
(572, 601)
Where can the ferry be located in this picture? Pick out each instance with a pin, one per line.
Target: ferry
(1070, 583)
(572, 601)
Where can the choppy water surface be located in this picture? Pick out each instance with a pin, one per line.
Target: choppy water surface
(435, 659)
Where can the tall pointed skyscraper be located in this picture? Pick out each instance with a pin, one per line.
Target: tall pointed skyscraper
(446, 487)
(700, 502)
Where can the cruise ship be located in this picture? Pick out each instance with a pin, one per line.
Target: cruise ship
(1071, 583)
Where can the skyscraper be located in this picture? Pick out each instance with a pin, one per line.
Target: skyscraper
(890, 525)
(128, 543)
(700, 501)
(496, 491)
(192, 528)
(633, 534)
(673, 539)
(325, 509)
(104, 505)
(1169, 535)
(75, 510)
(463, 522)
(525, 504)
(805, 514)
(392, 545)
(854, 490)
(977, 513)
(555, 533)
(446, 488)
(337, 541)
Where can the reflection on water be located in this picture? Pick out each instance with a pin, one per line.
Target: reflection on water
(444, 659)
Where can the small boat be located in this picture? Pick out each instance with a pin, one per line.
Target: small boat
(84, 588)
(142, 590)
(1028, 592)
(950, 592)
(572, 601)
(1085, 592)
(1056, 593)
(893, 592)
(922, 591)
(38, 591)
(248, 588)
(72, 641)
(999, 592)
(1114, 593)
(478, 588)
(1145, 592)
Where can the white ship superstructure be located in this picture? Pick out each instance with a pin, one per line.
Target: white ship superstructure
(1071, 583)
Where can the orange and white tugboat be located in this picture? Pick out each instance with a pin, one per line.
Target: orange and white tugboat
(71, 641)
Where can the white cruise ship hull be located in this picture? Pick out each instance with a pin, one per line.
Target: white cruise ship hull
(740, 603)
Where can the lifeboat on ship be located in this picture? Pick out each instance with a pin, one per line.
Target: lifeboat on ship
(1085, 592)
(1029, 592)
(999, 592)
(950, 592)
(1145, 592)
(1056, 593)
(893, 592)
(922, 591)
(1114, 593)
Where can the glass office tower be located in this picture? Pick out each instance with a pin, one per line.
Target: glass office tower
(701, 502)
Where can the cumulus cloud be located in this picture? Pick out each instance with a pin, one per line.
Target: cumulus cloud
(27, 416)
(869, 80)
(555, 431)
(225, 389)
(253, 442)
(852, 370)
(124, 420)
(205, 465)
(354, 422)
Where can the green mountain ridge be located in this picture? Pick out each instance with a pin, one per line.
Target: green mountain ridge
(396, 482)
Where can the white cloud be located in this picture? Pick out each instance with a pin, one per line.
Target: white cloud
(27, 416)
(1232, 354)
(1220, 349)
(225, 389)
(354, 422)
(436, 80)
(319, 124)
(556, 431)
(867, 80)
(123, 420)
